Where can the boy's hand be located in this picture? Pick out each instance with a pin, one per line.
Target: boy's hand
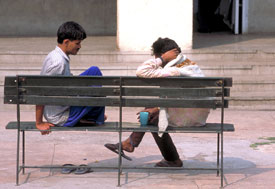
(44, 127)
(153, 115)
(170, 55)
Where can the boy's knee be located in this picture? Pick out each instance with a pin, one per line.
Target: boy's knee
(94, 70)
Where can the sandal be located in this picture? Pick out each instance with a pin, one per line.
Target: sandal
(67, 168)
(165, 163)
(114, 148)
(83, 169)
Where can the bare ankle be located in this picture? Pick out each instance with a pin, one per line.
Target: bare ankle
(126, 145)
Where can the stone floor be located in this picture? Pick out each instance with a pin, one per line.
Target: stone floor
(247, 163)
(249, 157)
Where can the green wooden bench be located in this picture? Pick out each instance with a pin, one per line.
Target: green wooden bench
(183, 92)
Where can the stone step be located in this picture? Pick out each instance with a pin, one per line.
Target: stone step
(213, 49)
(252, 69)
(251, 65)
(253, 103)
(112, 57)
(252, 73)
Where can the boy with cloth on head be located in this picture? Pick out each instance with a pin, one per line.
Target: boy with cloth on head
(168, 62)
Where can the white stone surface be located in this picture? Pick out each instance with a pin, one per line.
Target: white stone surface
(141, 22)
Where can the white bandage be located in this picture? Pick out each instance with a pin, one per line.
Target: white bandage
(180, 58)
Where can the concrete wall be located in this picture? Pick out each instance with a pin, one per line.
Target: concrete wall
(141, 22)
(261, 16)
(43, 17)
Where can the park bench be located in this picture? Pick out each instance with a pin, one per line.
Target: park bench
(115, 91)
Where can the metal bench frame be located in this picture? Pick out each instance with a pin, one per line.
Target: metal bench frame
(207, 92)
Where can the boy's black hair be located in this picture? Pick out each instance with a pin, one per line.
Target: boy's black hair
(163, 45)
(70, 30)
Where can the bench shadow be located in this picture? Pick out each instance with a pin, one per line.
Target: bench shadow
(232, 165)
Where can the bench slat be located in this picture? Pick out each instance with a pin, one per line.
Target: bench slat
(114, 101)
(64, 91)
(63, 101)
(37, 80)
(175, 92)
(115, 91)
(178, 82)
(127, 127)
(175, 103)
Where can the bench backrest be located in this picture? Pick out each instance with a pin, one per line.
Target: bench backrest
(188, 92)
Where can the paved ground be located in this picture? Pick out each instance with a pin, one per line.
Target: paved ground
(247, 165)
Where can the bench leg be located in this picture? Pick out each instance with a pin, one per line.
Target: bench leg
(218, 154)
(119, 161)
(120, 135)
(119, 156)
(222, 160)
(17, 157)
(23, 151)
(119, 166)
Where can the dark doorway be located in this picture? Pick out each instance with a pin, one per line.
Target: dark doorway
(211, 16)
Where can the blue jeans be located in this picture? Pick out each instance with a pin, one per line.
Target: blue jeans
(90, 113)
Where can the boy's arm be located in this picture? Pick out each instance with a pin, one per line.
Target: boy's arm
(40, 125)
(153, 68)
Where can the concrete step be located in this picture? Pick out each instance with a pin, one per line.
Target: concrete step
(125, 58)
(244, 73)
(260, 103)
(210, 48)
(250, 62)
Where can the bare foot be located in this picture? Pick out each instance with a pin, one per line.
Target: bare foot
(86, 122)
(126, 145)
